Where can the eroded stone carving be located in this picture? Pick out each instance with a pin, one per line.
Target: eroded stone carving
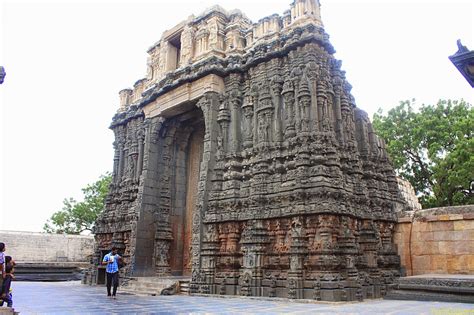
(294, 194)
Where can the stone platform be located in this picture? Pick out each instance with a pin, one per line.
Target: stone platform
(74, 298)
(49, 271)
(435, 287)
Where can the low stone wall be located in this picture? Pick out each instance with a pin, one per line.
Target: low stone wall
(438, 240)
(42, 247)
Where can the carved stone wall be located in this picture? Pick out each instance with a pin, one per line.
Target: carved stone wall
(296, 196)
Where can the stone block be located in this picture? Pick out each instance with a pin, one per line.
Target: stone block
(445, 248)
(453, 264)
(462, 247)
(466, 235)
(456, 216)
(464, 225)
(404, 220)
(421, 263)
(442, 225)
(421, 226)
(443, 235)
(470, 263)
(426, 236)
(468, 216)
(439, 263)
(444, 217)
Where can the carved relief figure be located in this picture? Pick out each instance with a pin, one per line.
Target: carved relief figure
(304, 99)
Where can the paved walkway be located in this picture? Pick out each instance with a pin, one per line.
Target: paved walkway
(74, 298)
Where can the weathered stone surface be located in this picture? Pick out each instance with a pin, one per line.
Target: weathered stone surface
(32, 247)
(439, 240)
(294, 196)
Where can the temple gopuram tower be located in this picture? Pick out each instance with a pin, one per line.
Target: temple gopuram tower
(242, 161)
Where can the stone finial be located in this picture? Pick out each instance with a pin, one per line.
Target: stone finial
(461, 47)
(125, 98)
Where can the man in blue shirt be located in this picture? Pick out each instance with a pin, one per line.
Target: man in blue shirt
(112, 270)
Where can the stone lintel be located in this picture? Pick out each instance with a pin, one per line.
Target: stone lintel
(182, 97)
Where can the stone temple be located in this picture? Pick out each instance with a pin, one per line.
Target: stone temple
(242, 161)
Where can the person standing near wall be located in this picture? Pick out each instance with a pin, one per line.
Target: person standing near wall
(112, 271)
(2, 262)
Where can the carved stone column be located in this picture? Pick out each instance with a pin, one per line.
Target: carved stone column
(234, 100)
(247, 122)
(304, 104)
(254, 241)
(223, 119)
(298, 252)
(337, 108)
(115, 171)
(209, 254)
(289, 108)
(276, 89)
(141, 146)
(209, 105)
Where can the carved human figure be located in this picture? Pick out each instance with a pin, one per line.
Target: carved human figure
(263, 128)
(186, 45)
(305, 104)
(247, 123)
(132, 160)
(162, 253)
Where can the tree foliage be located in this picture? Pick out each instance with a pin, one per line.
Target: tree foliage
(79, 216)
(433, 148)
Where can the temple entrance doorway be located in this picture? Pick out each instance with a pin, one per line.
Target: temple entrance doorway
(188, 156)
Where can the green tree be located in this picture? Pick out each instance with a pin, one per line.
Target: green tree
(433, 148)
(79, 216)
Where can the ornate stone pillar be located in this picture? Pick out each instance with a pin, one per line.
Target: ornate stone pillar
(254, 241)
(187, 51)
(264, 117)
(141, 146)
(209, 254)
(209, 105)
(304, 104)
(247, 122)
(289, 108)
(115, 171)
(234, 100)
(223, 119)
(276, 89)
(337, 108)
(298, 252)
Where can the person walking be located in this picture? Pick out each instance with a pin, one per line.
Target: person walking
(111, 260)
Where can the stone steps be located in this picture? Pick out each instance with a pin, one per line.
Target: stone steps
(417, 295)
(443, 288)
(184, 286)
(44, 271)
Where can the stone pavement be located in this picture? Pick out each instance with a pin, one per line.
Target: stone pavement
(75, 298)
